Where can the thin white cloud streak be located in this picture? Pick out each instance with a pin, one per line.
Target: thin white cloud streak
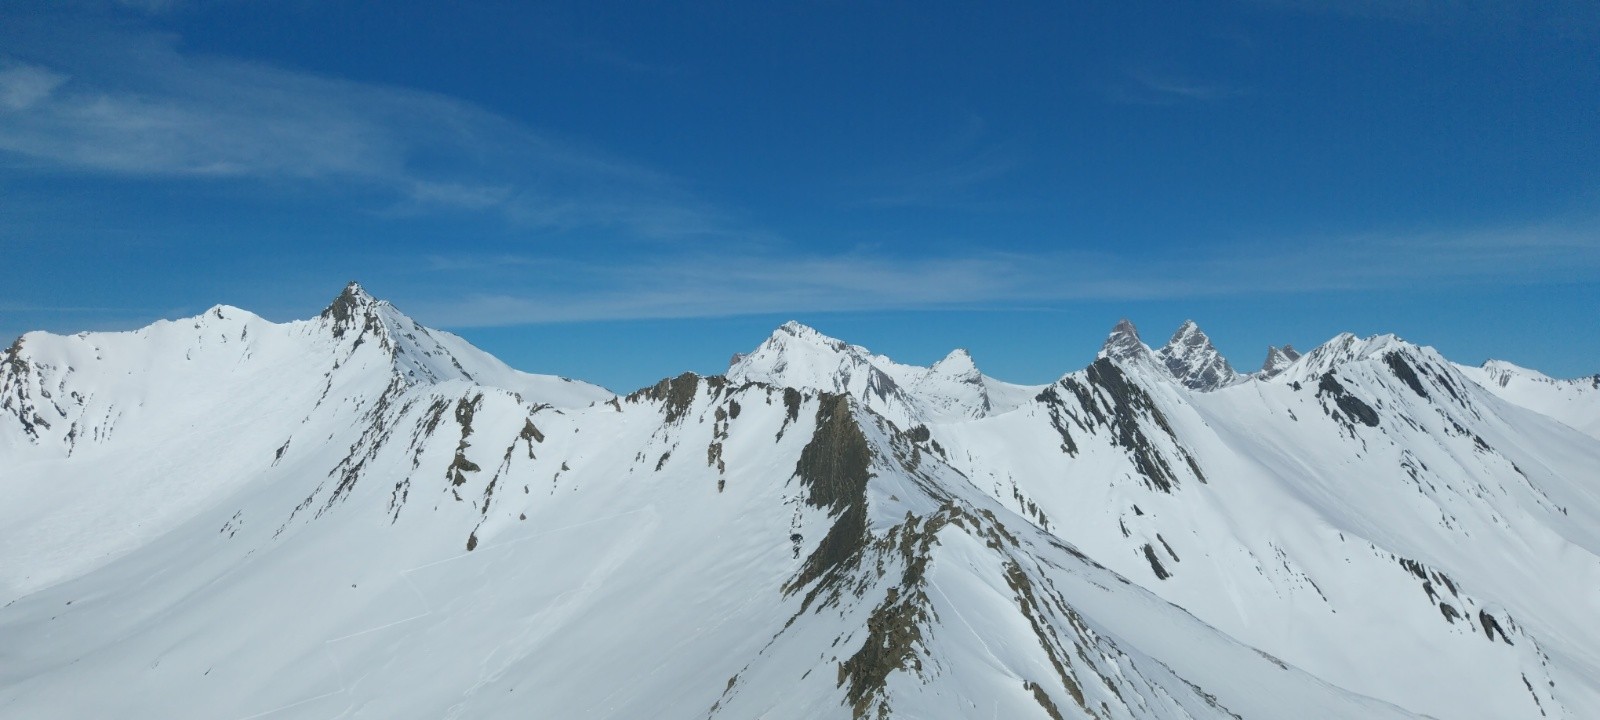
(1193, 91)
(943, 186)
(724, 285)
(135, 106)
(24, 86)
(947, 174)
(717, 286)
(1144, 88)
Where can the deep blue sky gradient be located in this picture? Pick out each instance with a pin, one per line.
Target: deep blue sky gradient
(622, 191)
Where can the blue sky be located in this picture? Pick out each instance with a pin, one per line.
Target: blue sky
(620, 192)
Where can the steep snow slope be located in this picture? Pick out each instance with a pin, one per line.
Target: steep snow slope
(354, 517)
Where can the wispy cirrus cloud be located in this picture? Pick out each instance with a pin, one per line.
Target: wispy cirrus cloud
(1147, 88)
(136, 106)
(945, 183)
(720, 285)
(24, 86)
(947, 173)
(1190, 90)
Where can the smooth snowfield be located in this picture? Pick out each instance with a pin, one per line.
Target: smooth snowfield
(354, 516)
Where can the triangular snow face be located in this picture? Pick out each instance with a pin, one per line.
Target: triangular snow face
(958, 365)
(798, 356)
(1191, 358)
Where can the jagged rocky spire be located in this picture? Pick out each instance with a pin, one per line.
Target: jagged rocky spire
(1278, 359)
(351, 310)
(1123, 343)
(350, 304)
(1194, 361)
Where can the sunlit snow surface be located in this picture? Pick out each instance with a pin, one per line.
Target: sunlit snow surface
(354, 516)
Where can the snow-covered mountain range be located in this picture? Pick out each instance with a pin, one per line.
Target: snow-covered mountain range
(355, 516)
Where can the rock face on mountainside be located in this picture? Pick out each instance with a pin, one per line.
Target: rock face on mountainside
(357, 516)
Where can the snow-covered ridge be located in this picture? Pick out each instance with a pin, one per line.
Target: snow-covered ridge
(215, 380)
(799, 356)
(72, 387)
(1341, 349)
(425, 355)
(1188, 358)
(356, 516)
(954, 389)
(1575, 402)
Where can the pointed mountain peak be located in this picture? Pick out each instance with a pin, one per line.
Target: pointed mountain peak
(355, 312)
(1189, 333)
(796, 339)
(783, 340)
(1123, 343)
(354, 293)
(1188, 339)
(354, 288)
(790, 347)
(349, 308)
(1194, 361)
(805, 332)
(370, 333)
(958, 363)
(1278, 359)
